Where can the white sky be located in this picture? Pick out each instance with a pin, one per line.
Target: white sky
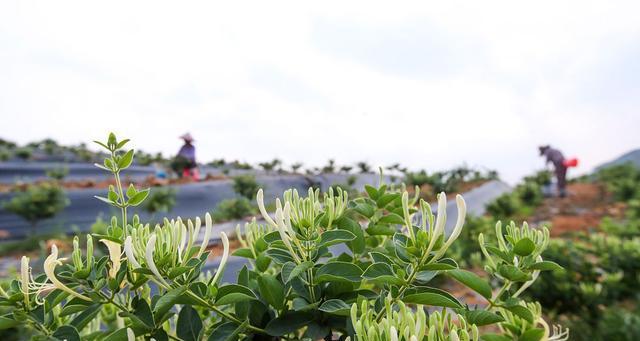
(427, 84)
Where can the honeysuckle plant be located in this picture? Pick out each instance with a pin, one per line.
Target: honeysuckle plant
(322, 266)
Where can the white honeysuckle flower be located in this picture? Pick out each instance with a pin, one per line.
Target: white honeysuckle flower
(151, 245)
(413, 338)
(25, 276)
(207, 233)
(50, 264)
(462, 213)
(453, 336)
(129, 252)
(534, 277)
(115, 254)
(225, 256)
(440, 221)
(263, 210)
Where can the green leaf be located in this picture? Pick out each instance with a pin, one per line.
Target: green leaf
(299, 269)
(432, 297)
(244, 252)
(535, 334)
(443, 264)
(86, 316)
(288, 322)
(143, 312)
(228, 331)
(122, 143)
(482, 317)
(371, 191)
(512, 273)
(472, 281)
(233, 293)
(131, 191)
(126, 159)
(358, 244)
(339, 271)
(333, 237)
(494, 337)
(522, 312)
(391, 218)
(168, 300)
(385, 199)
(272, 291)
(381, 230)
(335, 307)
(105, 200)
(139, 197)
(7, 322)
(118, 335)
(72, 309)
(524, 247)
(189, 324)
(365, 209)
(545, 266)
(66, 333)
(382, 273)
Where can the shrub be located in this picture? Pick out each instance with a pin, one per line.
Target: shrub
(37, 202)
(529, 193)
(246, 185)
(23, 153)
(503, 207)
(160, 200)
(230, 209)
(58, 173)
(621, 180)
(298, 285)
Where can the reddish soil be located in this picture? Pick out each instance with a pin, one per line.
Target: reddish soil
(581, 210)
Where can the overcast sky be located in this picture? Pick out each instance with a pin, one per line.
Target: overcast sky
(429, 85)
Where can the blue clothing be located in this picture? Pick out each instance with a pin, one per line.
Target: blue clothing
(188, 151)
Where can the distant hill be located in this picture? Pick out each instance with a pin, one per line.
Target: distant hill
(632, 156)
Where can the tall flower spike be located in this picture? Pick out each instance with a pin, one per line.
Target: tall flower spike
(50, 265)
(441, 219)
(115, 254)
(225, 256)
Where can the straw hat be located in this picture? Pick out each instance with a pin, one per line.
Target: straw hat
(187, 137)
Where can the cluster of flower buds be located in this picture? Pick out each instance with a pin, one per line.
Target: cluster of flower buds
(429, 237)
(170, 246)
(406, 324)
(250, 236)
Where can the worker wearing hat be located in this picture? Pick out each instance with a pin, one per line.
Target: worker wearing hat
(556, 158)
(187, 157)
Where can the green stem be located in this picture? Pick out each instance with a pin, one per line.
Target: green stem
(505, 286)
(222, 313)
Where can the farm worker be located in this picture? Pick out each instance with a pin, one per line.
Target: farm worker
(560, 164)
(185, 162)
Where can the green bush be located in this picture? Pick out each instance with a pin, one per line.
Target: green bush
(503, 207)
(160, 200)
(621, 180)
(246, 185)
(58, 173)
(37, 202)
(23, 153)
(529, 194)
(230, 209)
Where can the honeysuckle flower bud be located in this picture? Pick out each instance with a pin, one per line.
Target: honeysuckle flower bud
(393, 334)
(151, 245)
(129, 252)
(225, 255)
(263, 210)
(50, 265)
(207, 234)
(130, 335)
(407, 216)
(115, 254)
(25, 276)
(462, 212)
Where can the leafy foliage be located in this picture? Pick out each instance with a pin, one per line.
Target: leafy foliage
(37, 202)
(229, 209)
(322, 266)
(246, 185)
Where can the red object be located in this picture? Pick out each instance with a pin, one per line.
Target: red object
(192, 173)
(573, 162)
